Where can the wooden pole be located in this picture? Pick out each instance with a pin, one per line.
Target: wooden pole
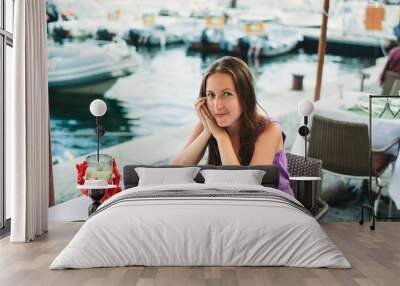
(321, 50)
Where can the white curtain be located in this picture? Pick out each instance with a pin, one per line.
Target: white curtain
(27, 124)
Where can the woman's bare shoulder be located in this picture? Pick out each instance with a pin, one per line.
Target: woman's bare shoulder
(271, 132)
(267, 144)
(273, 127)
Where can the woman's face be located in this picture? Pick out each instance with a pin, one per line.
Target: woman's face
(222, 99)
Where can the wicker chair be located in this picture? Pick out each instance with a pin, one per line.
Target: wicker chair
(297, 166)
(343, 147)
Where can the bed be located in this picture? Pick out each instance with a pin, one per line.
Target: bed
(201, 224)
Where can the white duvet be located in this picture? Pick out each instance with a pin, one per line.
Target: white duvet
(183, 231)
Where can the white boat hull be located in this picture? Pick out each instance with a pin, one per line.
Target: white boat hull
(89, 89)
(89, 69)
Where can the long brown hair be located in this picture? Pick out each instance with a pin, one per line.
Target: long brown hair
(249, 120)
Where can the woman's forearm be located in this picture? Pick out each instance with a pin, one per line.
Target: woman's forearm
(193, 153)
(226, 151)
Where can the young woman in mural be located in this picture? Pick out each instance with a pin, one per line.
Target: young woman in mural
(230, 126)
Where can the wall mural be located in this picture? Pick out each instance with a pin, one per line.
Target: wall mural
(145, 59)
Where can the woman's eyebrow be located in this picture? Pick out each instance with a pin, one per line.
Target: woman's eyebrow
(223, 90)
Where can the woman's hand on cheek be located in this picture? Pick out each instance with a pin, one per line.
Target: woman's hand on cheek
(217, 131)
(200, 102)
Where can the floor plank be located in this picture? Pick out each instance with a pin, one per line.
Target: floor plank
(374, 255)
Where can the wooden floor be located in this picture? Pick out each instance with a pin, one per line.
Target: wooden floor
(374, 255)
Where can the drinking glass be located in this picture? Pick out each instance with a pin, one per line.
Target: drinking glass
(99, 169)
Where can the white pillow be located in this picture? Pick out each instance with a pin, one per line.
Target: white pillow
(163, 176)
(249, 177)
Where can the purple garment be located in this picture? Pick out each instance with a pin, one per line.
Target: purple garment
(279, 160)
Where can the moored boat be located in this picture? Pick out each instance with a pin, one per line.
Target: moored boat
(90, 67)
(153, 30)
